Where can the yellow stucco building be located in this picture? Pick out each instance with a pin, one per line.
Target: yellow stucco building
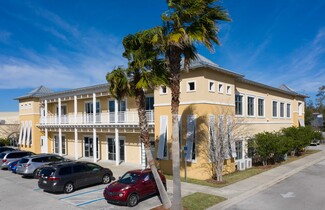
(84, 123)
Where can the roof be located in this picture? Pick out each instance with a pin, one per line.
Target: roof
(37, 93)
(202, 61)
(283, 88)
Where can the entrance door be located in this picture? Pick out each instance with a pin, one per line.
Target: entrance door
(112, 151)
(44, 148)
(89, 147)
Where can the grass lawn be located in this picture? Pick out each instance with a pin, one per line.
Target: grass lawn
(198, 201)
(240, 175)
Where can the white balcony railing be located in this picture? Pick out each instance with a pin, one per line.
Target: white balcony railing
(127, 117)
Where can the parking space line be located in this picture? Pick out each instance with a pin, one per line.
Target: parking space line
(79, 194)
(90, 201)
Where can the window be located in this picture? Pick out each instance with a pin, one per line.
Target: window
(239, 149)
(260, 107)
(299, 108)
(79, 168)
(228, 89)
(89, 107)
(275, 109)
(65, 170)
(281, 109)
(190, 86)
(163, 140)
(212, 137)
(149, 103)
(288, 110)
(191, 138)
(211, 86)
(250, 106)
(63, 110)
(239, 105)
(220, 88)
(56, 144)
(163, 90)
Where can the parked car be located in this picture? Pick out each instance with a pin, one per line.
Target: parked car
(9, 156)
(3, 149)
(133, 186)
(13, 166)
(37, 173)
(68, 176)
(27, 166)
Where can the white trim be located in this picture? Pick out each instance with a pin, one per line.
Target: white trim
(265, 123)
(188, 86)
(197, 102)
(213, 88)
(36, 113)
(284, 109)
(163, 137)
(23, 141)
(254, 106)
(20, 133)
(220, 88)
(228, 92)
(300, 108)
(262, 116)
(161, 90)
(243, 104)
(277, 109)
(29, 125)
(289, 111)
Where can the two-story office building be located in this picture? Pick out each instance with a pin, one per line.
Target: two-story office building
(89, 123)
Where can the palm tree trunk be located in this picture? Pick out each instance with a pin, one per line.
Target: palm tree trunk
(174, 59)
(144, 136)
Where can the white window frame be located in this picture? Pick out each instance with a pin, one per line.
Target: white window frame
(260, 116)
(191, 139)
(277, 109)
(300, 111)
(161, 90)
(65, 143)
(220, 88)
(228, 89)
(163, 138)
(213, 87)
(288, 113)
(253, 97)
(284, 108)
(188, 86)
(242, 107)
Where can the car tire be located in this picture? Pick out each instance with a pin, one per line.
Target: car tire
(68, 187)
(106, 179)
(132, 200)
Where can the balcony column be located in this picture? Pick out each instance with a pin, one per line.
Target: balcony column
(45, 114)
(94, 108)
(75, 109)
(117, 147)
(59, 110)
(46, 139)
(76, 144)
(94, 145)
(116, 110)
(60, 141)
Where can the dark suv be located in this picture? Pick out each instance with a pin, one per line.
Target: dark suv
(68, 176)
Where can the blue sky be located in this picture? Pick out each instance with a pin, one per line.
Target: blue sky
(68, 44)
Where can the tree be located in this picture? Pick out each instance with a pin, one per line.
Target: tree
(186, 23)
(144, 72)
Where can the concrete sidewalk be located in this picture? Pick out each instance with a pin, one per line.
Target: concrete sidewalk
(248, 187)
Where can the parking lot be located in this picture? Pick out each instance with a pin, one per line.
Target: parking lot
(17, 192)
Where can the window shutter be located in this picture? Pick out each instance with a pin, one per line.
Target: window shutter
(21, 133)
(24, 134)
(28, 132)
(162, 137)
(190, 137)
(213, 137)
(232, 145)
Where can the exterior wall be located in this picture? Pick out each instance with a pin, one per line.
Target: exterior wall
(10, 123)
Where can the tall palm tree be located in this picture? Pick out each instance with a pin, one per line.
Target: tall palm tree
(186, 23)
(145, 71)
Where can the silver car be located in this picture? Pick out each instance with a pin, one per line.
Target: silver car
(9, 156)
(28, 166)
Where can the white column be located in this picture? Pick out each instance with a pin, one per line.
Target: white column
(116, 110)
(76, 143)
(117, 148)
(45, 112)
(75, 109)
(46, 139)
(143, 156)
(94, 145)
(59, 110)
(94, 108)
(60, 141)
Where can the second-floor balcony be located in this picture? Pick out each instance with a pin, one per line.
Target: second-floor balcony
(127, 117)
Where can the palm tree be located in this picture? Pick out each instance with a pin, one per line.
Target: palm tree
(186, 23)
(145, 71)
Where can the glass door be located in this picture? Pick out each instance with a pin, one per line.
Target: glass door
(89, 147)
(112, 149)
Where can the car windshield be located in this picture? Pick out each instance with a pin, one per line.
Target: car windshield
(129, 178)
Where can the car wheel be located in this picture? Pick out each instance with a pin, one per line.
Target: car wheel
(132, 200)
(106, 179)
(68, 187)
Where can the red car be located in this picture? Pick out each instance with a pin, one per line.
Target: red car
(133, 186)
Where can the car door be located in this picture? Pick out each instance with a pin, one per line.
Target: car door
(80, 175)
(146, 185)
(94, 174)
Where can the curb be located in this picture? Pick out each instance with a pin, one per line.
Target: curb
(228, 203)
